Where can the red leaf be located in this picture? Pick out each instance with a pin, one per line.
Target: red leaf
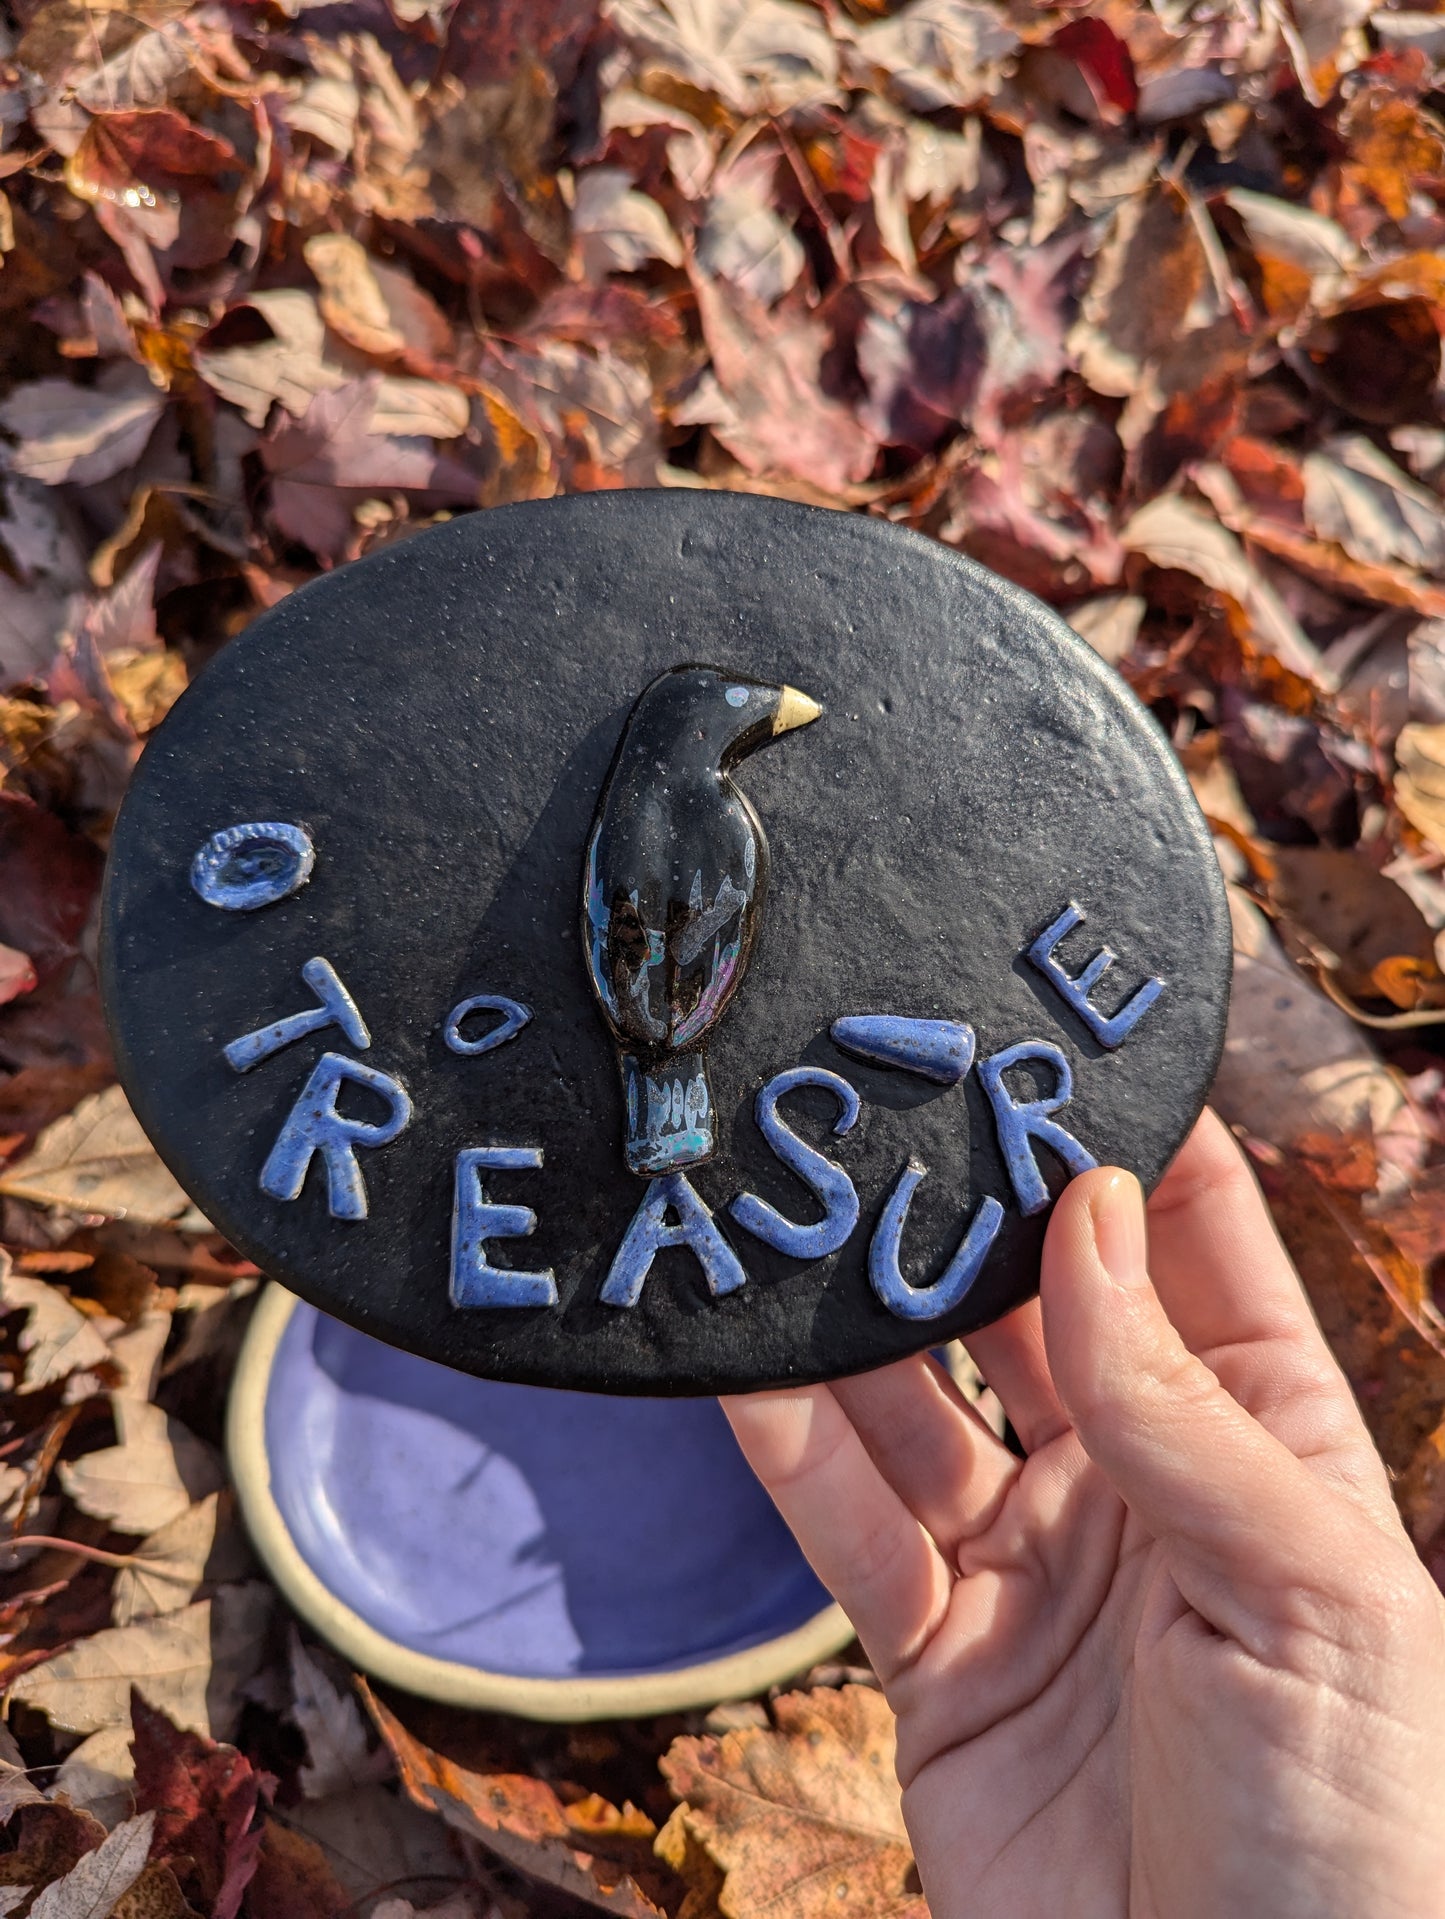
(1104, 60)
(204, 1796)
(48, 877)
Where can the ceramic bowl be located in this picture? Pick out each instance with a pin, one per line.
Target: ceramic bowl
(560, 1555)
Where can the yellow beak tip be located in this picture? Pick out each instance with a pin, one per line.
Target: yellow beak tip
(795, 709)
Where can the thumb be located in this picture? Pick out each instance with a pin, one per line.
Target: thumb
(1252, 1537)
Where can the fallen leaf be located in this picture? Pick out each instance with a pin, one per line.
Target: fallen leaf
(97, 1160)
(147, 1480)
(1420, 781)
(520, 1819)
(50, 1839)
(95, 1883)
(758, 55)
(99, 1774)
(939, 53)
(1358, 497)
(374, 307)
(1173, 532)
(81, 434)
(58, 1339)
(338, 1752)
(617, 229)
(17, 974)
(203, 1797)
(292, 1880)
(167, 1566)
(769, 408)
(188, 1664)
(805, 1817)
(371, 1836)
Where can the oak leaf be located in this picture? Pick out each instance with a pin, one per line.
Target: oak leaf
(804, 1818)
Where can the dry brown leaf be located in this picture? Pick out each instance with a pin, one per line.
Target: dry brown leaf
(373, 306)
(520, 1819)
(616, 229)
(338, 1752)
(99, 1774)
(92, 1887)
(147, 1479)
(189, 1665)
(806, 1819)
(1420, 782)
(97, 1160)
(166, 1567)
(58, 1338)
(81, 434)
(1173, 532)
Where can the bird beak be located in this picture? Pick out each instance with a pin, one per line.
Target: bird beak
(794, 709)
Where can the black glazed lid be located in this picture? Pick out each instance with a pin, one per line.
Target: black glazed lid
(535, 817)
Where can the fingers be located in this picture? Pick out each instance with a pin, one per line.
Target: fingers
(855, 1531)
(1253, 1536)
(1218, 1263)
(1230, 1288)
(1010, 1355)
(931, 1447)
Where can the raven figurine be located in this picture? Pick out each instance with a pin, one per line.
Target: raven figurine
(676, 876)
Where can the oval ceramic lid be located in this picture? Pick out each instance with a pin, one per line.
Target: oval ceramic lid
(481, 1542)
(660, 942)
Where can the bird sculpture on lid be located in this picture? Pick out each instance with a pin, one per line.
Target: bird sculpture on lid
(675, 879)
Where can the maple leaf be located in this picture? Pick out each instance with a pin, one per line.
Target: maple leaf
(522, 1820)
(58, 1339)
(188, 1664)
(81, 434)
(768, 406)
(149, 1478)
(97, 1160)
(804, 1816)
(338, 1752)
(167, 1566)
(203, 1797)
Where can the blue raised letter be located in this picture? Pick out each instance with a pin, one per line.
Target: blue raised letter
(1021, 1122)
(885, 1272)
(647, 1236)
(337, 1008)
(475, 1220)
(828, 1183)
(314, 1126)
(514, 1018)
(1110, 1032)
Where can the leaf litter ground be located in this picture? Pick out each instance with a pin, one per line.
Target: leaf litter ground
(1140, 304)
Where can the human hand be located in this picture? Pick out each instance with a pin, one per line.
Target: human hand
(1182, 1661)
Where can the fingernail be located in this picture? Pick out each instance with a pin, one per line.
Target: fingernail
(1118, 1209)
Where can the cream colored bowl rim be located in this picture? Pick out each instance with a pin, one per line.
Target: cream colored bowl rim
(734, 1676)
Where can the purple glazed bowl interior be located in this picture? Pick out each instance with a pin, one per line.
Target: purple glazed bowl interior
(520, 1530)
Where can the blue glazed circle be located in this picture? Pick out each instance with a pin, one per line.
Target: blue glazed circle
(243, 867)
(520, 1530)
